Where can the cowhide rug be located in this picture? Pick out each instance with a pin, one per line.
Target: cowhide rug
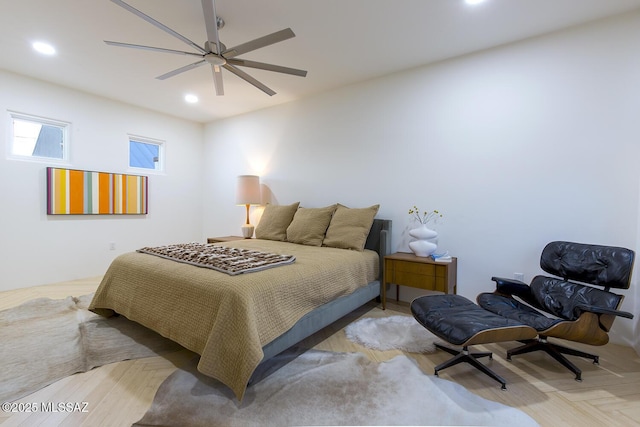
(394, 332)
(325, 388)
(44, 340)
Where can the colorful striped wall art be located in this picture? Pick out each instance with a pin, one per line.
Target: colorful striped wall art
(79, 192)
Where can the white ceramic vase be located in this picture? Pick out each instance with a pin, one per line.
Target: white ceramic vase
(425, 243)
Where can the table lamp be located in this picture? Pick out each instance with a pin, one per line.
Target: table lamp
(248, 193)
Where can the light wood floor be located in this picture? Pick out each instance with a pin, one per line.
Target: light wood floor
(119, 394)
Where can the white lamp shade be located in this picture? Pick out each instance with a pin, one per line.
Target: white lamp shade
(248, 190)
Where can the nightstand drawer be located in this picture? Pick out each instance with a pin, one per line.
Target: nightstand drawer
(223, 239)
(405, 269)
(420, 281)
(411, 267)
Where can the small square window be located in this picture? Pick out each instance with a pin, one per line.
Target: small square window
(37, 138)
(145, 153)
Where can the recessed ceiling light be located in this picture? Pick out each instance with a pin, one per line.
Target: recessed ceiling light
(474, 2)
(44, 48)
(191, 99)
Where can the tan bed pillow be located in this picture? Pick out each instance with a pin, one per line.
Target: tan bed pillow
(275, 220)
(309, 225)
(349, 227)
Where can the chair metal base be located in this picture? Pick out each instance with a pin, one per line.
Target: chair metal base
(471, 358)
(555, 351)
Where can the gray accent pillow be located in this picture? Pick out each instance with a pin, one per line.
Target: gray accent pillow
(275, 220)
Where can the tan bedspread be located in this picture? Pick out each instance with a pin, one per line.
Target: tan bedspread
(228, 319)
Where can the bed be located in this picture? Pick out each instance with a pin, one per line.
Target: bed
(235, 322)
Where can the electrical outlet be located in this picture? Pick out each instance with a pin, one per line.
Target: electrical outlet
(112, 246)
(519, 276)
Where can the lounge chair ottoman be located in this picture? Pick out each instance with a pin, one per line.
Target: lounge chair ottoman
(460, 322)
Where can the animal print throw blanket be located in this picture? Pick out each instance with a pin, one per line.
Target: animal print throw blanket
(228, 260)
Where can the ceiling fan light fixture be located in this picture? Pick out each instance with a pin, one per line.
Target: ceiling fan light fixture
(214, 59)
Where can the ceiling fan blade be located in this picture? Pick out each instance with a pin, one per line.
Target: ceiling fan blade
(267, 40)
(268, 67)
(249, 79)
(211, 22)
(181, 70)
(155, 49)
(158, 24)
(217, 79)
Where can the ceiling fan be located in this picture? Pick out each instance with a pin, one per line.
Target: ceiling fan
(214, 52)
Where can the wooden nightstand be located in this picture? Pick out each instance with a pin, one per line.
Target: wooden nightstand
(418, 272)
(223, 239)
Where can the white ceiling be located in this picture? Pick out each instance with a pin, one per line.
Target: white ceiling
(339, 42)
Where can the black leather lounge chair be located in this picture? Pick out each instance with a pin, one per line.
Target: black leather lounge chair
(577, 312)
(559, 307)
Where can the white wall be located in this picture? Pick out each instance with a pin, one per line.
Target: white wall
(36, 248)
(517, 146)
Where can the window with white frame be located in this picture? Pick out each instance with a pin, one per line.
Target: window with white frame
(37, 138)
(146, 153)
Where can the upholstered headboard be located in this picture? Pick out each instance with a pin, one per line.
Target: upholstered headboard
(379, 239)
